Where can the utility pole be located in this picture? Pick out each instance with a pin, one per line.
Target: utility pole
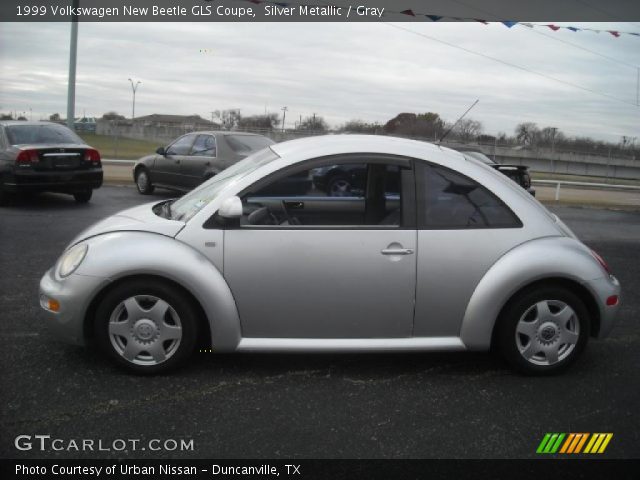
(71, 82)
(133, 107)
(284, 114)
(638, 87)
(553, 147)
(212, 114)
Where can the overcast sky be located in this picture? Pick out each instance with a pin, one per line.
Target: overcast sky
(366, 71)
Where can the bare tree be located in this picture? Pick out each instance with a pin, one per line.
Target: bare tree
(314, 123)
(527, 133)
(468, 129)
(267, 122)
(228, 118)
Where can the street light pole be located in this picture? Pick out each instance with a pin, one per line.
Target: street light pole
(133, 89)
(284, 114)
(71, 86)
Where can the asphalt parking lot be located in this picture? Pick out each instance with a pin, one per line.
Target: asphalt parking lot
(304, 406)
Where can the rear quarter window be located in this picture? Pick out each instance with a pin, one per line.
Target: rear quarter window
(449, 200)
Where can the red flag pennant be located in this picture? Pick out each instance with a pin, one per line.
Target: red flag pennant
(555, 28)
(408, 12)
(614, 33)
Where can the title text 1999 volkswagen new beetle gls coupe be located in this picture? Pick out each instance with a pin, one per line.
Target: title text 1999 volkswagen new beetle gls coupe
(458, 258)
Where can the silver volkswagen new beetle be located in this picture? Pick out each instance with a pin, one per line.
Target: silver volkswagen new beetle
(425, 251)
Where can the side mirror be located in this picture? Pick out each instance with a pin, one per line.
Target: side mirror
(231, 208)
(161, 151)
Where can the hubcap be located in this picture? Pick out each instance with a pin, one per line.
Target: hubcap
(145, 330)
(547, 332)
(340, 188)
(143, 181)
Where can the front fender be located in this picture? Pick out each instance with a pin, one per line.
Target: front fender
(118, 255)
(550, 257)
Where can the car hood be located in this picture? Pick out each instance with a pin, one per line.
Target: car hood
(136, 219)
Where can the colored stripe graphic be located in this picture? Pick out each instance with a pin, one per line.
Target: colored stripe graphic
(573, 443)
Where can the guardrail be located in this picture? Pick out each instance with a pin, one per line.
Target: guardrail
(603, 186)
(110, 161)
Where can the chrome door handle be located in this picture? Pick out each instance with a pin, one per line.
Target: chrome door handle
(397, 251)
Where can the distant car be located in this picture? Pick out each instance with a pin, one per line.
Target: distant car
(194, 158)
(47, 157)
(459, 259)
(517, 173)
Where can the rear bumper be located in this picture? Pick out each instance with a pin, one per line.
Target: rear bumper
(59, 181)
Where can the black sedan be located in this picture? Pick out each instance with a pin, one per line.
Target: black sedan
(517, 173)
(194, 158)
(46, 157)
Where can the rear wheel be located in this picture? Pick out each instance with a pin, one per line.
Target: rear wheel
(543, 330)
(143, 182)
(83, 196)
(4, 196)
(339, 186)
(146, 326)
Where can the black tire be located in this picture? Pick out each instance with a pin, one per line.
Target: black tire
(83, 196)
(180, 305)
(549, 329)
(143, 181)
(4, 196)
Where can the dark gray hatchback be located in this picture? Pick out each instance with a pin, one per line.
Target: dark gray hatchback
(46, 157)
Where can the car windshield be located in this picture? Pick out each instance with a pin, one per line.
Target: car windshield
(245, 144)
(41, 134)
(186, 207)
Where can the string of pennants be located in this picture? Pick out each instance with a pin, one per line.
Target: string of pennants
(506, 23)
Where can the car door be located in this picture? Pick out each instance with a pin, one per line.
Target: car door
(200, 161)
(166, 170)
(313, 266)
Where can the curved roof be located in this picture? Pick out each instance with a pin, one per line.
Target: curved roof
(339, 144)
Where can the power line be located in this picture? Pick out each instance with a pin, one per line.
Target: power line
(621, 62)
(513, 65)
(482, 10)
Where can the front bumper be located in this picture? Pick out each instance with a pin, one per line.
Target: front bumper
(74, 294)
(604, 288)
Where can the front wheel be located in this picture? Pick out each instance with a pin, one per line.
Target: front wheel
(143, 182)
(542, 331)
(83, 196)
(146, 326)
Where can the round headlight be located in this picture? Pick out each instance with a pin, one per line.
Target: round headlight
(71, 259)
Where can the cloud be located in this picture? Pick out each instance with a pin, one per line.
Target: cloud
(370, 71)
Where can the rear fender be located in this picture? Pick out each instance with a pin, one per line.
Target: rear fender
(551, 257)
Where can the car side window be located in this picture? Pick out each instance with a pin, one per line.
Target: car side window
(181, 146)
(204, 146)
(450, 200)
(336, 194)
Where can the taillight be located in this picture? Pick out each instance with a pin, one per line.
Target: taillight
(93, 156)
(27, 157)
(601, 262)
